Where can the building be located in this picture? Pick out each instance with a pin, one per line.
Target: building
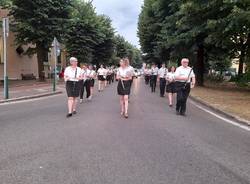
(18, 63)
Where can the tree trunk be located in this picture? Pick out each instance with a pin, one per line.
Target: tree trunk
(242, 57)
(41, 56)
(241, 64)
(200, 66)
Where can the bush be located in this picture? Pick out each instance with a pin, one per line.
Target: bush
(242, 81)
(215, 78)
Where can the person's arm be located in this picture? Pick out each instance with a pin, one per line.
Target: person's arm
(66, 76)
(193, 80)
(118, 77)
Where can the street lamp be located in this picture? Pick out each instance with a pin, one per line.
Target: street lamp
(5, 35)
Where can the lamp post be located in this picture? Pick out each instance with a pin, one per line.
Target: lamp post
(5, 35)
(56, 53)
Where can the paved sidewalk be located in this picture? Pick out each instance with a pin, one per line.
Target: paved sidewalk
(19, 89)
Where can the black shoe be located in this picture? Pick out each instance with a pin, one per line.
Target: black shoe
(74, 112)
(170, 105)
(69, 115)
(178, 113)
(183, 114)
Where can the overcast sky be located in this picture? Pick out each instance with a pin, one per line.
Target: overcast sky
(124, 14)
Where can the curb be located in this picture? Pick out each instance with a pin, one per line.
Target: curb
(30, 97)
(226, 114)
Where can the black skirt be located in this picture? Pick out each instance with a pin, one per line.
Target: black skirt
(101, 78)
(92, 82)
(171, 87)
(73, 88)
(124, 89)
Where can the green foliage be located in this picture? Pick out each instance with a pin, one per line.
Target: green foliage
(242, 81)
(37, 22)
(215, 78)
(5, 3)
(208, 32)
(86, 35)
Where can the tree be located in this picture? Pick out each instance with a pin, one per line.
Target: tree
(37, 22)
(5, 3)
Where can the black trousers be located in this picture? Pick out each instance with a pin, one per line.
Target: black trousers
(182, 96)
(85, 85)
(147, 79)
(153, 82)
(162, 86)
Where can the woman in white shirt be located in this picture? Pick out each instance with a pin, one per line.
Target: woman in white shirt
(124, 77)
(101, 78)
(171, 85)
(72, 75)
(92, 77)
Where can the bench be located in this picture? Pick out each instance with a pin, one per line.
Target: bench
(28, 76)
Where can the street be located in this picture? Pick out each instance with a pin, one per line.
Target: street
(38, 145)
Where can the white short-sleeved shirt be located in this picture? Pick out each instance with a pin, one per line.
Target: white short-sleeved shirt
(92, 74)
(154, 71)
(162, 72)
(131, 69)
(170, 76)
(184, 72)
(101, 71)
(124, 72)
(72, 73)
(147, 72)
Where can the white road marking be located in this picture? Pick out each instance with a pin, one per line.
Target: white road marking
(30, 100)
(245, 127)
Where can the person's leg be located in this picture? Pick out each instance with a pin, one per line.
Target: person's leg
(99, 85)
(170, 99)
(88, 83)
(74, 105)
(126, 104)
(70, 105)
(178, 101)
(81, 90)
(184, 102)
(122, 105)
(91, 91)
(162, 87)
(154, 84)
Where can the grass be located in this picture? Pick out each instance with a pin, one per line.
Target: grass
(228, 98)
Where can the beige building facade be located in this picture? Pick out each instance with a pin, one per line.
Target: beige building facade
(18, 63)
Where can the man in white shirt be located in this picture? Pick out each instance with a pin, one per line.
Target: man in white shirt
(153, 80)
(185, 80)
(162, 73)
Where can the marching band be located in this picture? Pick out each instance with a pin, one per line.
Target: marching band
(171, 81)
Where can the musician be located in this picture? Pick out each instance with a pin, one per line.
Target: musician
(162, 79)
(153, 79)
(101, 78)
(185, 80)
(92, 77)
(72, 75)
(124, 77)
(170, 89)
(147, 74)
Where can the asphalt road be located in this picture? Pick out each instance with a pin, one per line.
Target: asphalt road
(38, 145)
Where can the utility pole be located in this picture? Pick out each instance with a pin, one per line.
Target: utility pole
(56, 53)
(5, 35)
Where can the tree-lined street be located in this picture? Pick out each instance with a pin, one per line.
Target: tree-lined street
(39, 145)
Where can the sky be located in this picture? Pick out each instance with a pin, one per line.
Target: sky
(124, 14)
